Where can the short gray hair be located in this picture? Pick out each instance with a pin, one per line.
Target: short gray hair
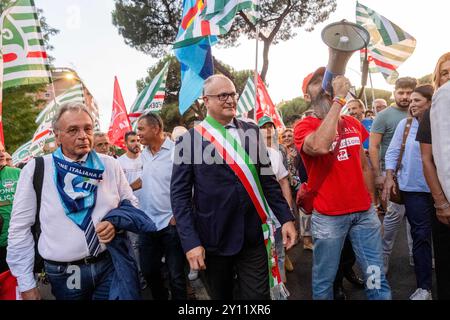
(98, 134)
(70, 106)
(378, 100)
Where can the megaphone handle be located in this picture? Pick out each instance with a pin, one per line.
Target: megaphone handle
(327, 82)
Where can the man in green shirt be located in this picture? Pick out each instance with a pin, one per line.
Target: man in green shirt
(381, 134)
(8, 182)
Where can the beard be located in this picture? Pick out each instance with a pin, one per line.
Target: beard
(402, 103)
(321, 105)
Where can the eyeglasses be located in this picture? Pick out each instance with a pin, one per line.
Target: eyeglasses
(75, 131)
(224, 96)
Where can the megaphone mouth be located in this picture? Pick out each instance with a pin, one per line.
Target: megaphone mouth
(345, 36)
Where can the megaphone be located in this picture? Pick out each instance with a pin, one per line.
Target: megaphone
(343, 38)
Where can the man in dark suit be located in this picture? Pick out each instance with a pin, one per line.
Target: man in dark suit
(219, 227)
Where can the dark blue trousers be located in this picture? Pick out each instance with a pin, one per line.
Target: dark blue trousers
(419, 208)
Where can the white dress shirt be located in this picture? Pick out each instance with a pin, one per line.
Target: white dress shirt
(61, 239)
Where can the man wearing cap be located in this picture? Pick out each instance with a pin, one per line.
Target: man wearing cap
(312, 88)
(331, 149)
(221, 199)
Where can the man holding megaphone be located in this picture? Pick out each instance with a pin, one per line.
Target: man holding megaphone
(340, 180)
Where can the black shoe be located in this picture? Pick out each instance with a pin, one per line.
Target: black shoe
(339, 293)
(354, 279)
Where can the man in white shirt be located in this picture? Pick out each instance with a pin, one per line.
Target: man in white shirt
(131, 161)
(79, 188)
(157, 159)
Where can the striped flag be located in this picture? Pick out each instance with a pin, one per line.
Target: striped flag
(212, 17)
(389, 45)
(24, 57)
(22, 154)
(264, 104)
(150, 99)
(73, 94)
(247, 99)
(44, 135)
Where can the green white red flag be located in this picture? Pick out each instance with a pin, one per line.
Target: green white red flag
(264, 105)
(23, 60)
(150, 99)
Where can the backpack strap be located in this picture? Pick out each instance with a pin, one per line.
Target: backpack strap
(38, 180)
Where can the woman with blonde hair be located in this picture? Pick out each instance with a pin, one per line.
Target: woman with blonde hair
(441, 219)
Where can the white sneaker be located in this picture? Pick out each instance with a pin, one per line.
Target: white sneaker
(193, 275)
(421, 294)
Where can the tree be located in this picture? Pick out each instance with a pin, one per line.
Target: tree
(19, 114)
(151, 26)
(292, 110)
(428, 79)
(378, 94)
(170, 113)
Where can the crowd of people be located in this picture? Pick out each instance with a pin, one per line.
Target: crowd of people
(229, 198)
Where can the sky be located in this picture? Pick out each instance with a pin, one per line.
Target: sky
(89, 43)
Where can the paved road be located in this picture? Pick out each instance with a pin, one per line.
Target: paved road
(401, 275)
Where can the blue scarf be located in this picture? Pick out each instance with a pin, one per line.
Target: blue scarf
(77, 186)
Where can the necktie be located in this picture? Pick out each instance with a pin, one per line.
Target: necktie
(92, 239)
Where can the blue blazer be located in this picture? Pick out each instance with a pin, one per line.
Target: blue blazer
(210, 205)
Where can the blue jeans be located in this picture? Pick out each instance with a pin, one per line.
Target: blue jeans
(152, 247)
(419, 210)
(329, 233)
(81, 282)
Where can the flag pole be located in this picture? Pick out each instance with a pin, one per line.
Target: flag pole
(371, 86)
(255, 79)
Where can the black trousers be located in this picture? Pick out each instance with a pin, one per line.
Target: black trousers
(348, 259)
(244, 276)
(441, 244)
(3, 264)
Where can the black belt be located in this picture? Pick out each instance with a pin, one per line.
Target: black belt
(87, 260)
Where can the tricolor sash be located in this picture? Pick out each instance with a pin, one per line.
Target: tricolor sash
(239, 161)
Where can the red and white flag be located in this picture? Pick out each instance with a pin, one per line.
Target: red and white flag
(265, 106)
(120, 124)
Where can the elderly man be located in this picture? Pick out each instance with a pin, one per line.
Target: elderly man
(221, 195)
(80, 188)
(101, 143)
(379, 105)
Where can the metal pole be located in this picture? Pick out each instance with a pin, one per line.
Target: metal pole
(373, 91)
(255, 79)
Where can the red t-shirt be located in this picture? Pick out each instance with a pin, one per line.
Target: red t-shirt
(344, 190)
